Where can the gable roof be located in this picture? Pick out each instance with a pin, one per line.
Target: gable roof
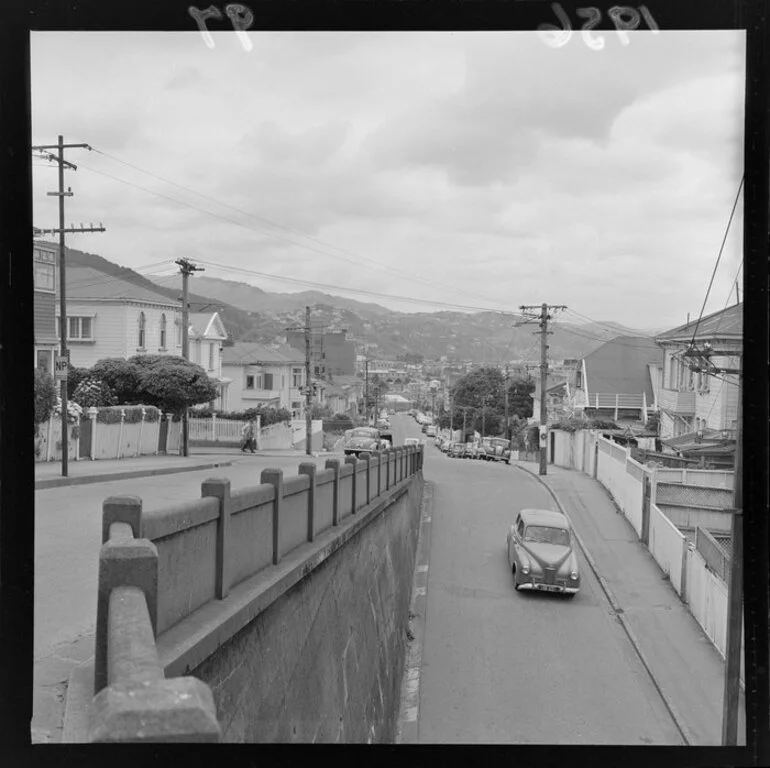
(620, 366)
(727, 323)
(207, 324)
(92, 284)
(253, 353)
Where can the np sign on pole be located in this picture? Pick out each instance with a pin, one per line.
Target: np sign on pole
(61, 366)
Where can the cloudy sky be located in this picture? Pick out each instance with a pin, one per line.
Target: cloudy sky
(480, 169)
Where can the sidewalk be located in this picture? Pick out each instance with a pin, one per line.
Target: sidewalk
(686, 668)
(48, 473)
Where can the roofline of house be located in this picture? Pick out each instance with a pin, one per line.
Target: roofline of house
(121, 300)
(681, 328)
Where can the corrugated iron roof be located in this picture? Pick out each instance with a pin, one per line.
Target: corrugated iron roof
(620, 367)
(90, 283)
(253, 353)
(726, 323)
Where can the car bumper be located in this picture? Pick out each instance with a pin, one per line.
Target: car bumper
(540, 587)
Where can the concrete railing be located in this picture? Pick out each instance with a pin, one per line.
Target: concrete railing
(134, 702)
(189, 558)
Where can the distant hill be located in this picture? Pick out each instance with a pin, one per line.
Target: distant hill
(253, 314)
(236, 320)
(250, 298)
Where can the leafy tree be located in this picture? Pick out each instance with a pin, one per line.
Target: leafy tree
(93, 391)
(519, 397)
(74, 377)
(319, 411)
(488, 422)
(172, 386)
(45, 396)
(122, 377)
(484, 387)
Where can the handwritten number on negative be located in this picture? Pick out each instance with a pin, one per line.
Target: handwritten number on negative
(624, 17)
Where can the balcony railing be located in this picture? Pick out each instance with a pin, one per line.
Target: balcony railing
(681, 403)
(610, 400)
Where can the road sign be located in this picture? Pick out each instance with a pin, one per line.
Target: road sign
(543, 436)
(61, 367)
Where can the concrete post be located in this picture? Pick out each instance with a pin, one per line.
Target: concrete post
(92, 413)
(335, 465)
(120, 432)
(309, 468)
(219, 488)
(121, 509)
(123, 563)
(368, 460)
(141, 429)
(178, 710)
(214, 428)
(386, 455)
(379, 472)
(275, 478)
(354, 461)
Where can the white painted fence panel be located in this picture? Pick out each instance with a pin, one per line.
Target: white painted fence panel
(106, 438)
(711, 478)
(149, 440)
(50, 442)
(668, 546)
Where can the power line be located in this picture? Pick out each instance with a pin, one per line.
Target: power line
(719, 256)
(357, 291)
(411, 275)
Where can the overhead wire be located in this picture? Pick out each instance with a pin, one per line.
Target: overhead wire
(372, 264)
(719, 257)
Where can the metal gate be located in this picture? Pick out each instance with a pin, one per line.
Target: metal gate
(162, 435)
(86, 432)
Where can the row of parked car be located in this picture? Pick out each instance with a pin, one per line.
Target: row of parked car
(486, 449)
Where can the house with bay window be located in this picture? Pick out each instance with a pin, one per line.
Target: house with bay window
(206, 337)
(261, 375)
(45, 259)
(111, 317)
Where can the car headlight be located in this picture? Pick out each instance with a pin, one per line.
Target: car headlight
(525, 568)
(573, 575)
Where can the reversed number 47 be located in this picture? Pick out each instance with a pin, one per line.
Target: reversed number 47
(625, 18)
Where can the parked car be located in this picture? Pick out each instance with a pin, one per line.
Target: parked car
(541, 552)
(496, 449)
(431, 431)
(469, 451)
(362, 441)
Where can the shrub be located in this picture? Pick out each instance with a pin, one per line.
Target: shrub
(95, 392)
(45, 396)
(74, 377)
(174, 387)
(121, 376)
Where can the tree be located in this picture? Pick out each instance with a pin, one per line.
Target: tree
(74, 377)
(174, 386)
(484, 387)
(93, 391)
(520, 397)
(45, 396)
(122, 377)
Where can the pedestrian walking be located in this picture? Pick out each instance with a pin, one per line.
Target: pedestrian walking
(249, 438)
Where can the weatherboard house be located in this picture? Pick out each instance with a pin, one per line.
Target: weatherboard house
(108, 316)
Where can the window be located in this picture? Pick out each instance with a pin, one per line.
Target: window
(268, 381)
(250, 381)
(78, 328)
(162, 331)
(296, 406)
(142, 323)
(179, 334)
(44, 277)
(296, 377)
(45, 360)
(211, 356)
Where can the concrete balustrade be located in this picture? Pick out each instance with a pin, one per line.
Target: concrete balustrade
(163, 573)
(134, 702)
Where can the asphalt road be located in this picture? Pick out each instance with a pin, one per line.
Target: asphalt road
(499, 666)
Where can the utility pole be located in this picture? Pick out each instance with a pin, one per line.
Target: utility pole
(186, 268)
(62, 369)
(366, 385)
(309, 389)
(507, 425)
(543, 319)
(731, 701)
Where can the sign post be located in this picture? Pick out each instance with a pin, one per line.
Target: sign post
(61, 367)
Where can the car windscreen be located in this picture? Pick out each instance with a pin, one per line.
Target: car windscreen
(544, 534)
(363, 433)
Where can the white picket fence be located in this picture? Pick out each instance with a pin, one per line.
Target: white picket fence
(217, 430)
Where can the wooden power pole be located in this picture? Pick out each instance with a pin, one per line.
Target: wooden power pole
(186, 268)
(542, 319)
(62, 365)
(309, 389)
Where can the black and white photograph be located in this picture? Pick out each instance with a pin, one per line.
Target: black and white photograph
(388, 385)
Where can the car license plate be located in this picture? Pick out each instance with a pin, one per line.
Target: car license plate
(549, 588)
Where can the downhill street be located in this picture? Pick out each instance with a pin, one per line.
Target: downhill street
(505, 667)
